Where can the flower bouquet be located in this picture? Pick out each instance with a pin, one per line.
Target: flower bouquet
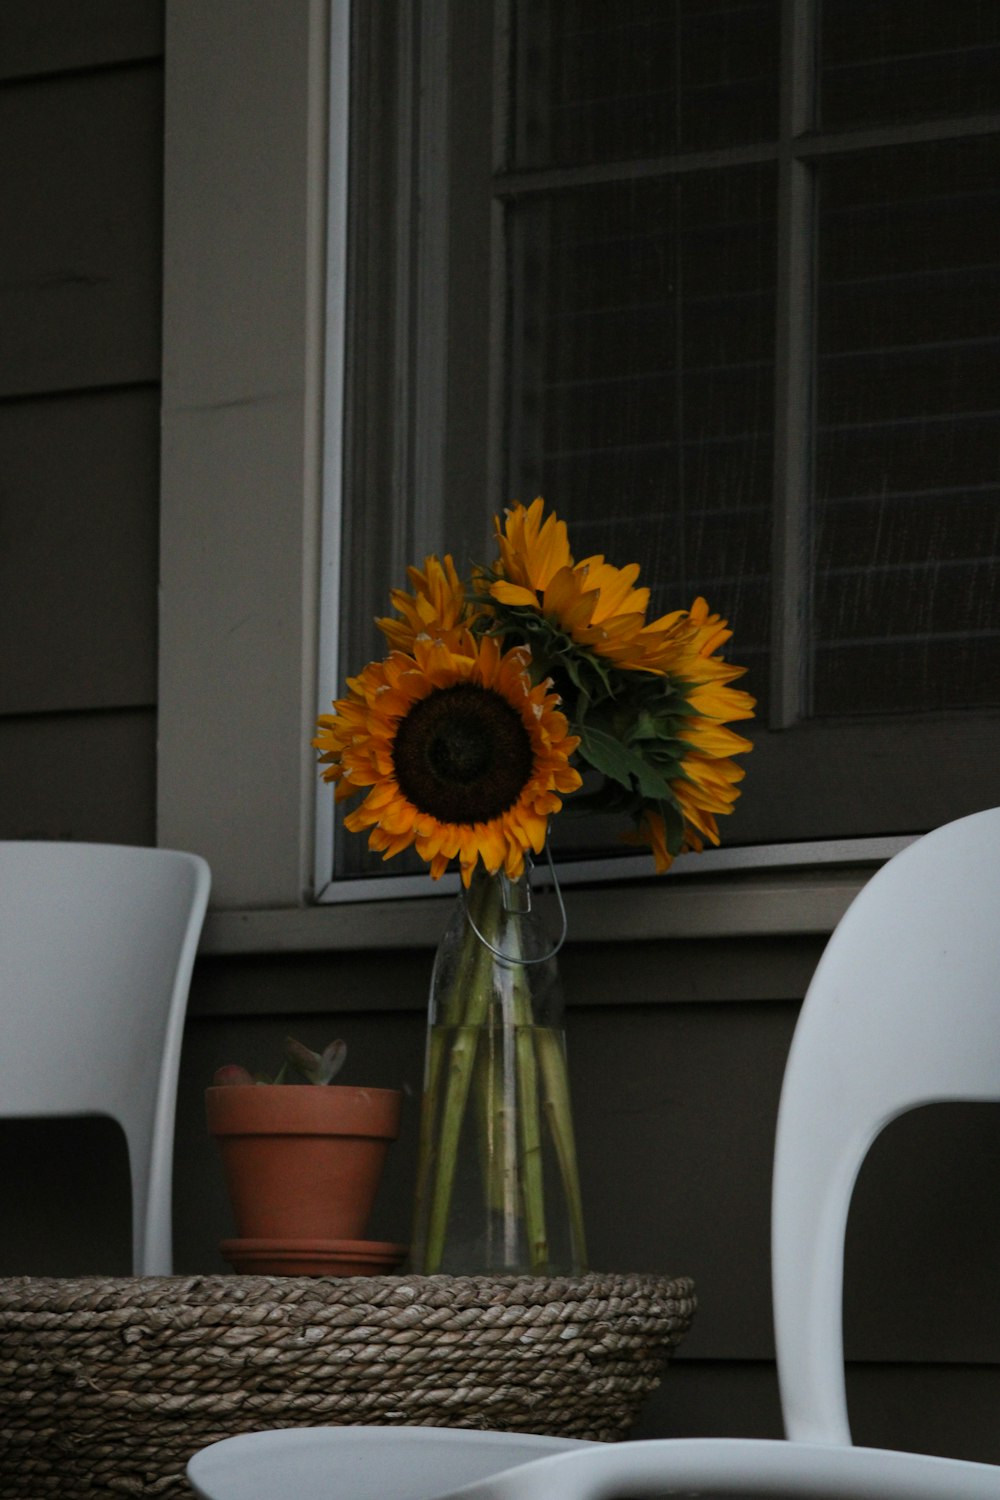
(538, 683)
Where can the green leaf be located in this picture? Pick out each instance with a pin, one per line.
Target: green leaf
(588, 674)
(621, 763)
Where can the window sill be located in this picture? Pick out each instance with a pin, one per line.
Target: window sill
(734, 893)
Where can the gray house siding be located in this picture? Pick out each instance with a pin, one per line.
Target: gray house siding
(80, 256)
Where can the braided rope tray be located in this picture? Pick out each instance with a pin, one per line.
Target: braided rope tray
(107, 1386)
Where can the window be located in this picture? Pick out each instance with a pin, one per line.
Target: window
(716, 277)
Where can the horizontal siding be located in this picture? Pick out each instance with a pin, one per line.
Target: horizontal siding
(54, 36)
(88, 776)
(396, 978)
(81, 149)
(943, 1409)
(78, 567)
(80, 261)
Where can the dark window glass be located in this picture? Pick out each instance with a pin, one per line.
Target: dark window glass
(907, 601)
(595, 82)
(642, 391)
(902, 60)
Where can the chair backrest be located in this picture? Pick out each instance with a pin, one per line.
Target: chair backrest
(903, 1010)
(97, 945)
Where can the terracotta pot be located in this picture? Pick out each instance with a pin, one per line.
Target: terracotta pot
(302, 1161)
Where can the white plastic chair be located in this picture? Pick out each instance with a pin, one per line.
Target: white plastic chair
(370, 1463)
(97, 945)
(904, 1009)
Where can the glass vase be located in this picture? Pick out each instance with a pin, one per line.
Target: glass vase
(497, 1181)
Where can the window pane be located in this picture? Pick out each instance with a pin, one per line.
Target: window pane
(595, 82)
(907, 607)
(642, 339)
(889, 60)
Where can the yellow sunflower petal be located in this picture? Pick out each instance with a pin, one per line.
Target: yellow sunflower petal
(717, 701)
(513, 593)
(714, 739)
(614, 586)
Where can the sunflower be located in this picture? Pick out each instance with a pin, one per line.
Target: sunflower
(461, 754)
(438, 606)
(595, 604)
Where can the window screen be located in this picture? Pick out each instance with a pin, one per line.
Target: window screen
(907, 605)
(595, 82)
(645, 315)
(893, 60)
(642, 408)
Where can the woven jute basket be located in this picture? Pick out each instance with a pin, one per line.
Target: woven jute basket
(108, 1386)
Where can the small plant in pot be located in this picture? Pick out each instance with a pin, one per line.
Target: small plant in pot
(303, 1158)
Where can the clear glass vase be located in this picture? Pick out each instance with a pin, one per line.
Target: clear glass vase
(497, 1182)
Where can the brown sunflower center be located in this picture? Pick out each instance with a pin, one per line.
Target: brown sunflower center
(462, 754)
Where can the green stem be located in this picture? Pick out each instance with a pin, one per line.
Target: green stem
(529, 1134)
(496, 1133)
(475, 978)
(529, 1125)
(552, 1058)
(447, 1015)
(436, 1043)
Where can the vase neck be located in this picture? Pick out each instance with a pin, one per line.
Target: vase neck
(500, 894)
(498, 912)
(515, 895)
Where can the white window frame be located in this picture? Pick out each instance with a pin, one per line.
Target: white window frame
(256, 110)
